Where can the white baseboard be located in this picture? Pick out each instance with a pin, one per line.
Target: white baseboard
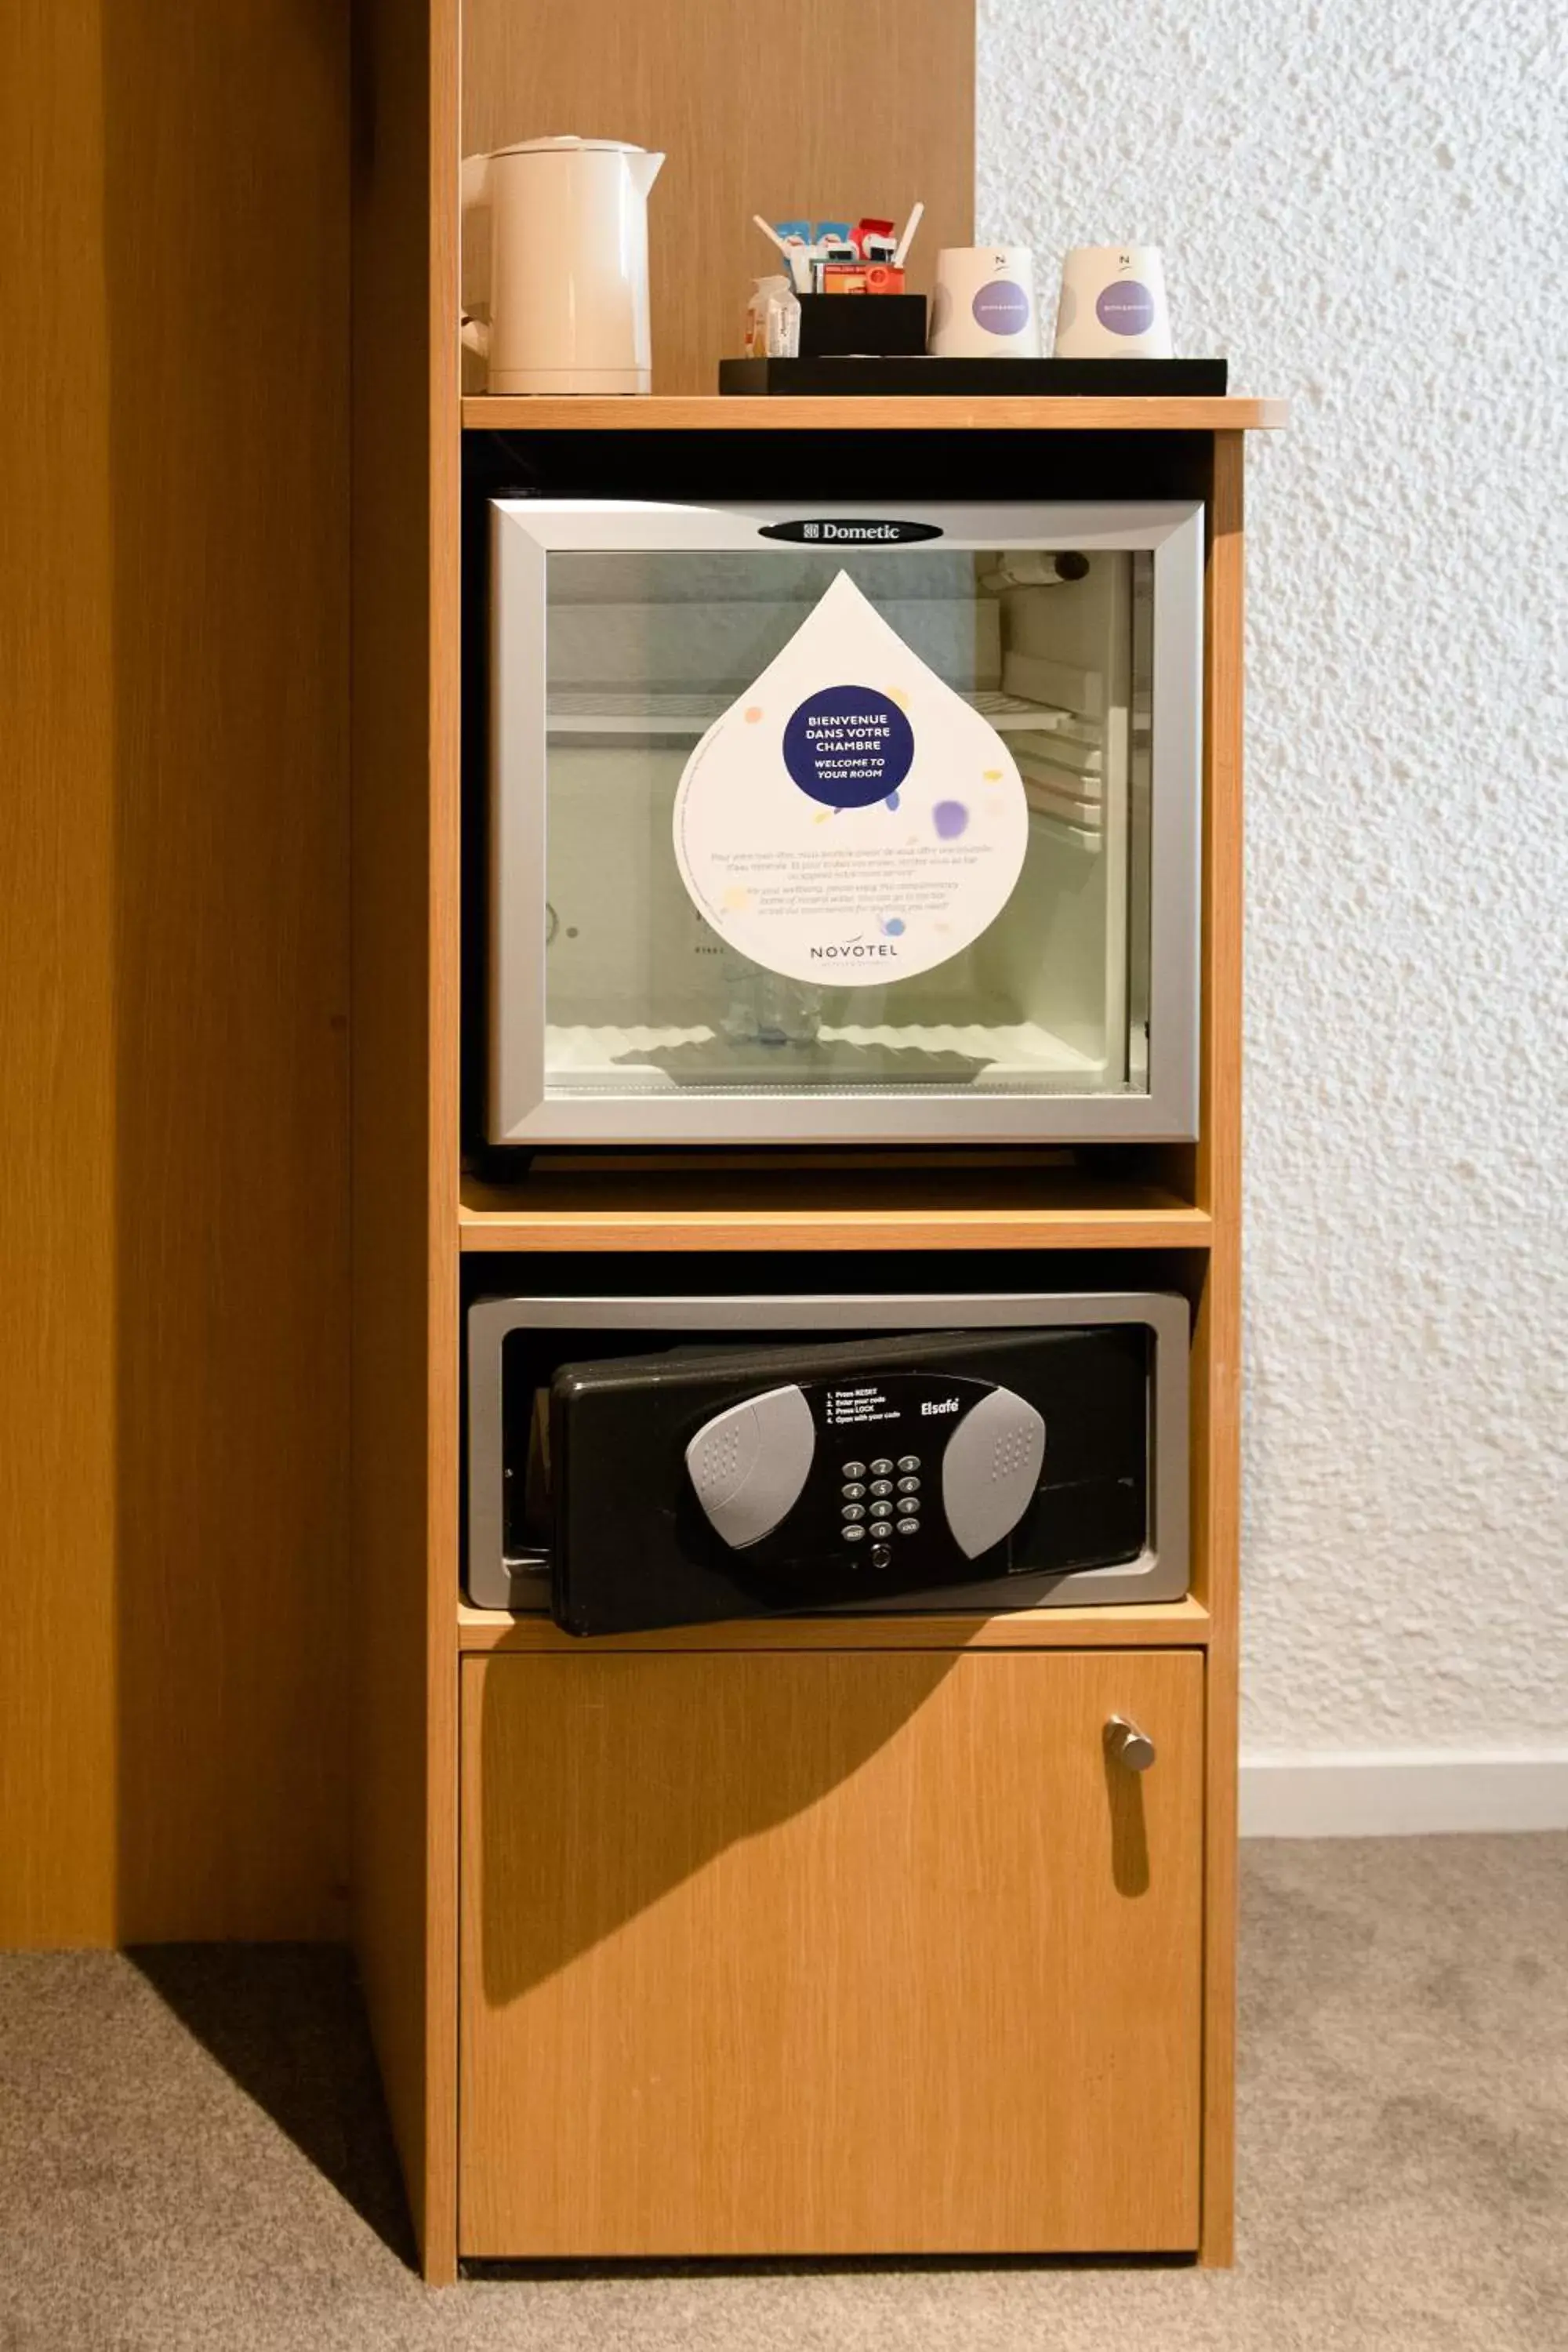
(1402, 1791)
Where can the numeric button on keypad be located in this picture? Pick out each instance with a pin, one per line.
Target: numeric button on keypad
(852, 1493)
(881, 1469)
(881, 1510)
(909, 1486)
(854, 1469)
(853, 1511)
(909, 1462)
(881, 1485)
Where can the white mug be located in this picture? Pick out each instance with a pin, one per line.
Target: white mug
(983, 306)
(1113, 304)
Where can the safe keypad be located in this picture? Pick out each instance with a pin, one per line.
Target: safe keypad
(895, 1505)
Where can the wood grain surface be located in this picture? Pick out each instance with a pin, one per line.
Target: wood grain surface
(903, 414)
(58, 1244)
(815, 1209)
(788, 112)
(894, 414)
(405, 916)
(1217, 1332)
(828, 1955)
(173, 1057)
(1154, 1624)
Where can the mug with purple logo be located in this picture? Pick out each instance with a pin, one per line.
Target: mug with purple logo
(1113, 304)
(983, 303)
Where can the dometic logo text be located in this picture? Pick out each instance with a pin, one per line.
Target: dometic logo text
(948, 1404)
(836, 531)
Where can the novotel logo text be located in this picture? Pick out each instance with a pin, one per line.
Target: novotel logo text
(856, 951)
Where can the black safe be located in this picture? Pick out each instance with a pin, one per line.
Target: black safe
(648, 1462)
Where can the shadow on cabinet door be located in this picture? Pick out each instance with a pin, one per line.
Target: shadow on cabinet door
(626, 1776)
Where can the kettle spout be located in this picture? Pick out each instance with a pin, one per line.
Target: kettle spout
(645, 170)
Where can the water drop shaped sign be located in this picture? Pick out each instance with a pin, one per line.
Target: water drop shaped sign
(850, 818)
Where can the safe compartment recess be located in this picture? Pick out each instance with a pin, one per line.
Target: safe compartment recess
(912, 1452)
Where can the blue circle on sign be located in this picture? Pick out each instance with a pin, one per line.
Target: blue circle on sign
(1126, 307)
(1001, 308)
(847, 746)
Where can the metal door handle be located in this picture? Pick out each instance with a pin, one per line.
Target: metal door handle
(1125, 1744)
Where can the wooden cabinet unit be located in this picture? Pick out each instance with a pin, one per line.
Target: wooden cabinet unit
(805, 1937)
(829, 1953)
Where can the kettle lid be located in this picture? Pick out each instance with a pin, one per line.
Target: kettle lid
(568, 145)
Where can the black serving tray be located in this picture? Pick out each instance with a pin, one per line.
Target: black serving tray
(861, 378)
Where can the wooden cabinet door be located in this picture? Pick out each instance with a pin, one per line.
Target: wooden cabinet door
(829, 1953)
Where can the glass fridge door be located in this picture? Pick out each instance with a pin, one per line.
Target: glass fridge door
(889, 837)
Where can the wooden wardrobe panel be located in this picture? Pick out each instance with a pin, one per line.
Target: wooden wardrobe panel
(57, 1810)
(176, 1055)
(404, 1122)
(829, 1954)
(786, 110)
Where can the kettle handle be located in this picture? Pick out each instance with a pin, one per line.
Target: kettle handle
(473, 183)
(474, 195)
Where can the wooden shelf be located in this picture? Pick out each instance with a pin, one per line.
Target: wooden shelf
(1142, 1625)
(710, 413)
(796, 1209)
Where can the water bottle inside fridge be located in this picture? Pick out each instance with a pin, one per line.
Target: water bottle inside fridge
(767, 1008)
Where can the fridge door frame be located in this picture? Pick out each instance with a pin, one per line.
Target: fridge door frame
(1161, 1571)
(520, 1111)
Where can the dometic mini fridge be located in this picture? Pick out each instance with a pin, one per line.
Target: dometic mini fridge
(843, 825)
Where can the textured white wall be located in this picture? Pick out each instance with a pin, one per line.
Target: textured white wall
(1365, 209)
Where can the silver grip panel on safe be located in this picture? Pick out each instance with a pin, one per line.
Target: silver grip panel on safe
(991, 1470)
(748, 1464)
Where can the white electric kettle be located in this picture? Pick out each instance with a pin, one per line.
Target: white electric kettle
(567, 309)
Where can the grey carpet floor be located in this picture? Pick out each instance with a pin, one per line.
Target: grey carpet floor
(193, 2153)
